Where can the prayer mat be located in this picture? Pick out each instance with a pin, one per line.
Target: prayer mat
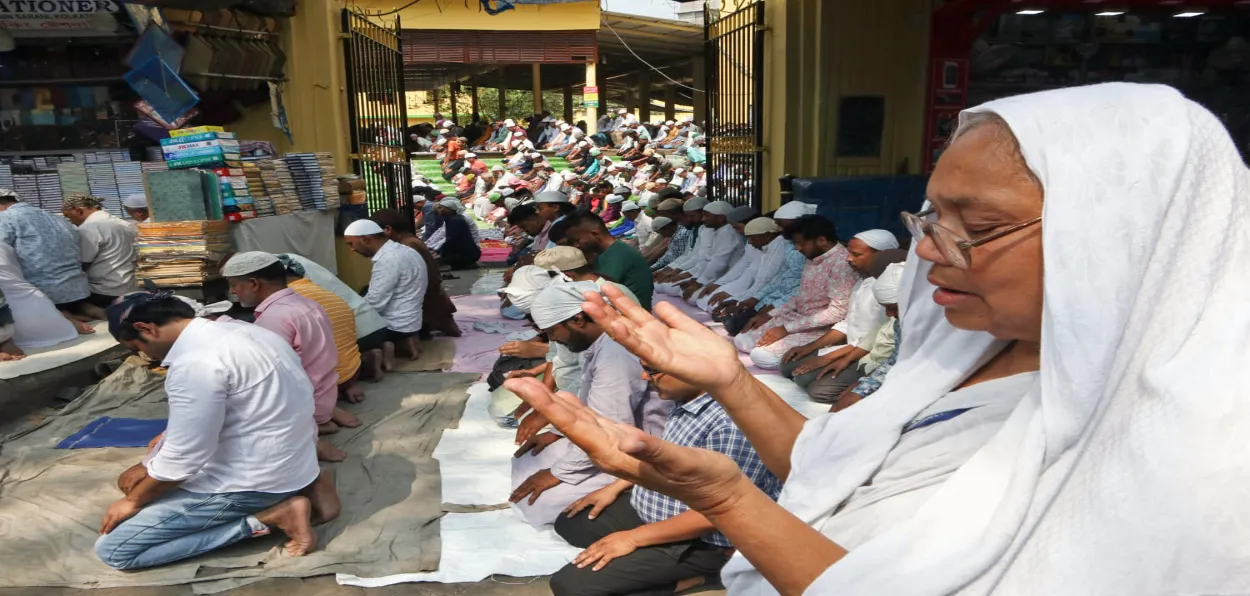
(52, 501)
(106, 431)
(437, 355)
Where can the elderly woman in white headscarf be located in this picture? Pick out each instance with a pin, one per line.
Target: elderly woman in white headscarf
(1053, 425)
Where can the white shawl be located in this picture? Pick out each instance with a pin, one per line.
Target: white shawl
(1125, 469)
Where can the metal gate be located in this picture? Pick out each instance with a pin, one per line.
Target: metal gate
(374, 61)
(734, 57)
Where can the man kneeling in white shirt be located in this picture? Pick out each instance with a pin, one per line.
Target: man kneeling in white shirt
(238, 457)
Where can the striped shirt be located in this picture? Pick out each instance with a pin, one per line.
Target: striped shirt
(342, 321)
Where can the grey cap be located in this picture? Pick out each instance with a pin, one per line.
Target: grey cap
(551, 196)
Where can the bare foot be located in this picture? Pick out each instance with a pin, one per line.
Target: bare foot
(354, 394)
(689, 583)
(413, 347)
(344, 419)
(388, 356)
(7, 357)
(328, 452)
(371, 363)
(324, 497)
(328, 427)
(79, 326)
(294, 517)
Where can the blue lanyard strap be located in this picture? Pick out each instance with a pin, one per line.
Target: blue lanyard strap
(933, 419)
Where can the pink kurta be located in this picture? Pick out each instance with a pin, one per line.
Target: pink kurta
(823, 299)
(305, 325)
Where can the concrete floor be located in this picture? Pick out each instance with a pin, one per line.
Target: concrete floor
(325, 585)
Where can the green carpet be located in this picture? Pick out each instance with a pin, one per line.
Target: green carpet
(431, 169)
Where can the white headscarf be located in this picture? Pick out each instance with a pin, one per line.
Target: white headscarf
(527, 282)
(1124, 469)
(560, 302)
(878, 239)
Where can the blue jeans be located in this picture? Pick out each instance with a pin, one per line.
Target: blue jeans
(182, 524)
(512, 312)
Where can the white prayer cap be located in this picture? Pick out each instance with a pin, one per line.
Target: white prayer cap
(695, 204)
(794, 210)
(629, 206)
(362, 227)
(622, 111)
(507, 192)
(548, 120)
(584, 144)
(527, 144)
(527, 282)
(135, 201)
(662, 181)
(687, 119)
(8, 192)
(660, 222)
(878, 239)
(885, 289)
(565, 127)
(612, 167)
(509, 123)
(249, 262)
(567, 175)
(498, 168)
(559, 302)
(628, 166)
(551, 196)
(510, 204)
(621, 189)
(717, 207)
(670, 205)
(443, 131)
(674, 182)
(453, 204)
(761, 225)
(614, 199)
(668, 123)
(560, 258)
(470, 155)
(698, 170)
(679, 171)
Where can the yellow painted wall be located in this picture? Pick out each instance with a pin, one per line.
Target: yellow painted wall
(459, 14)
(818, 51)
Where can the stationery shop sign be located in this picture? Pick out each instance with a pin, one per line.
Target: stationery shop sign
(40, 18)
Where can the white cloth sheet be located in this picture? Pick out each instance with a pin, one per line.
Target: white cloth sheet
(1121, 469)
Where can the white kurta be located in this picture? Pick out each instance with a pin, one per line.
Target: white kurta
(38, 324)
(738, 277)
(864, 317)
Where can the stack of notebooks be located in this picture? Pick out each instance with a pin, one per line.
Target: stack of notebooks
(236, 198)
(256, 188)
(181, 253)
(306, 172)
(50, 192)
(328, 180)
(102, 182)
(6, 175)
(279, 187)
(202, 146)
(27, 188)
(153, 154)
(129, 181)
(73, 178)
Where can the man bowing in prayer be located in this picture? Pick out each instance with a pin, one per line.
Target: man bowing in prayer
(238, 457)
(259, 280)
(107, 245)
(550, 473)
(612, 258)
(136, 206)
(397, 286)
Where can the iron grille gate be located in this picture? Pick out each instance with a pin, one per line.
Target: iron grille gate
(377, 110)
(734, 57)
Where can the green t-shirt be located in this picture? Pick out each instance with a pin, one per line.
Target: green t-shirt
(623, 264)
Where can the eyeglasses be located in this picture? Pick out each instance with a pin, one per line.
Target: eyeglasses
(954, 248)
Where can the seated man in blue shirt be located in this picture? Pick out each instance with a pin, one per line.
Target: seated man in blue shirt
(650, 543)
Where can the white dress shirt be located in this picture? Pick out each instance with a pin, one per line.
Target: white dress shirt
(698, 253)
(107, 243)
(367, 319)
(397, 286)
(240, 413)
(773, 257)
(726, 249)
(864, 317)
(642, 229)
(740, 276)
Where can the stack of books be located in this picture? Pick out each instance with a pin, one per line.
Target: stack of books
(329, 182)
(129, 176)
(256, 187)
(306, 172)
(202, 146)
(236, 198)
(102, 181)
(177, 254)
